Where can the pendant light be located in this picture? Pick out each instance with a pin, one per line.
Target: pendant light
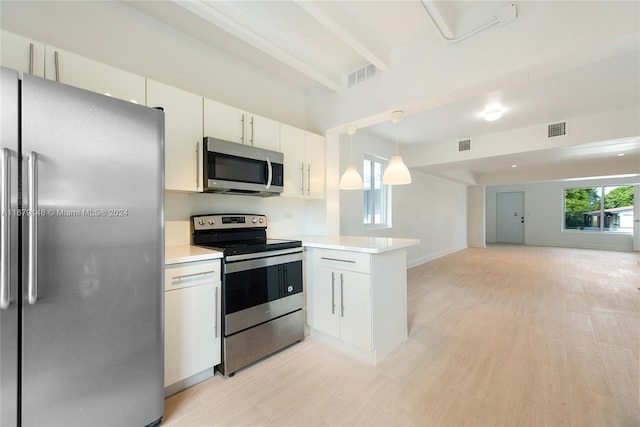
(351, 179)
(397, 172)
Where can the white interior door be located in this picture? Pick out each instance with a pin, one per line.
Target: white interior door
(510, 217)
(636, 219)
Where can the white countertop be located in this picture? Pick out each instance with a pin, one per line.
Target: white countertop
(372, 245)
(188, 253)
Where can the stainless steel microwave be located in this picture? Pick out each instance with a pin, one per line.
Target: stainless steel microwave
(241, 169)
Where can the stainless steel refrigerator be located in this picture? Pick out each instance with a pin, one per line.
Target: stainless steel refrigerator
(81, 248)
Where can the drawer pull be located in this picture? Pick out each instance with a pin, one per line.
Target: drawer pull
(183, 276)
(339, 260)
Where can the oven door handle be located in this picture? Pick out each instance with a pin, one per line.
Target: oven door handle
(268, 261)
(265, 254)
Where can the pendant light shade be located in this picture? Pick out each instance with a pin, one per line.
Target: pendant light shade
(397, 172)
(351, 179)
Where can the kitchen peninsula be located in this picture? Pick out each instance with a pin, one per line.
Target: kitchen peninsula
(356, 290)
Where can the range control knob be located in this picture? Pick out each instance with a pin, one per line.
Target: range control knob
(201, 222)
(261, 220)
(211, 222)
(254, 220)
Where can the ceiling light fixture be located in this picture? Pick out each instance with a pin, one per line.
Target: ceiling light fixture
(492, 115)
(514, 166)
(397, 172)
(351, 179)
(620, 154)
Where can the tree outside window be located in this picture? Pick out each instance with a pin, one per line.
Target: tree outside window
(607, 208)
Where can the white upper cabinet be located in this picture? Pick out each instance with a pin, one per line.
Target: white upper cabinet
(224, 122)
(183, 135)
(303, 163)
(21, 54)
(233, 124)
(263, 132)
(292, 144)
(314, 154)
(85, 73)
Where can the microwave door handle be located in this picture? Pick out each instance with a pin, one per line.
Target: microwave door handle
(270, 173)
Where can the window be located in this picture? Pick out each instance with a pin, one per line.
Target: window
(375, 193)
(607, 208)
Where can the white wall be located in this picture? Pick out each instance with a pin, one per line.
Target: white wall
(476, 216)
(431, 209)
(544, 215)
(286, 217)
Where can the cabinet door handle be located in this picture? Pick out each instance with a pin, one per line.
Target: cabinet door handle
(341, 295)
(197, 165)
(56, 62)
(32, 55)
(309, 179)
(333, 293)
(251, 123)
(302, 181)
(215, 325)
(242, 121)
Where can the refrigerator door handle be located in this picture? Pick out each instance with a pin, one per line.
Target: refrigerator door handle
(32, 260)
(5, 289)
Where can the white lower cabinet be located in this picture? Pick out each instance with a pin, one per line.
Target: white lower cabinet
(343, 306)
(357, 300)
(192, 330)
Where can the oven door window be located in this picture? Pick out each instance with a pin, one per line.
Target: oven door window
(249, 288)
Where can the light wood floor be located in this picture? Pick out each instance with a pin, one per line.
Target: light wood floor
(503, 336)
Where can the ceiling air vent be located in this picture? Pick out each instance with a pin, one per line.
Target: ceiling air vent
(361, 75)
(464, 145)
(557, 129)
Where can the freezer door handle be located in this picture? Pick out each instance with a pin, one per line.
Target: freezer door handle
(32, 259)
(5, 289)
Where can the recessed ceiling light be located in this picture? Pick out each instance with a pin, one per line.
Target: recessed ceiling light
(492, 115)
(620, 154)
(514, 166)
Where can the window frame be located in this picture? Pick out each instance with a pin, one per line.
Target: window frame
(602, 210)
(386, 191)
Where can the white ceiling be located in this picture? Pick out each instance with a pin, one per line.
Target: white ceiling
(316, 43)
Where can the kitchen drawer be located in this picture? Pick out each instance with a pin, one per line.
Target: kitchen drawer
(343, 260)
(182, 275)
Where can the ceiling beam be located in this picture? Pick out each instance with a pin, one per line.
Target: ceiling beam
(442, 16)
(209, 12)
(343, 34)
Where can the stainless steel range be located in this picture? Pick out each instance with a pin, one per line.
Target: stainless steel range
(262, 289)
